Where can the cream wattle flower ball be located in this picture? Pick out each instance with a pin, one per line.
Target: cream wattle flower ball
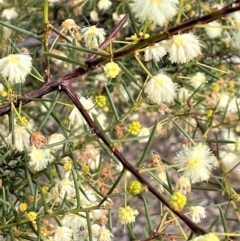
(157, 11)
(184, 48)
(160, 89)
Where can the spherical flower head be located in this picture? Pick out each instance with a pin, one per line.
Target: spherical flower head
(183, 94)
(134, 128)
(235, 42)
(104, 4)
(184, 48)
(159, 12)
(229, 155)
(197, 213)
(162, 181)
(9, 13)
(74, 221)
(85, 169)
(134, 187)
(207, 237)
(104, 234)
(111, 70)
(93, 36)
(100, 100)
(63, 234)
(198, 79)
(55, 138)
(76, 117)
(144, 132)
(23, 121)
(127, 215)
(196, 162)
(67, 166)
(214, 29)
(90, 200)
(15, 67)
(156, 52)
(65, 186)
(94, 16)
(99, 214)
(95, 232)
(93, 163)
(39, 158)
(178, 201)
(21, 137)
(160, 88)
(23, 207)
(183, 185)
(229, 102)
(32, 216)
(45, 189)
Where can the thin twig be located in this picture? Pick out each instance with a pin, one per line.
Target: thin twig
(74, 98)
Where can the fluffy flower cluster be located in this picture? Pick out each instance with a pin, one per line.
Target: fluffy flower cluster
(144, 132)
(64, 187)
(127, 215)
(214, 29)
(104, 4)
(160, 89)
(76, 117)
(91, 157)
(184, 48)
(21, 137)
(15, 67)
(183, 185)
(196, 162)
(62, 234)
(159, 12)
(206, 237)
(93, 36)
(55, 138)
(227, 102)
(39, 158)
(9, 13)
(230, 153)
(111, 70)
(156, 52)
(235, 43)
(197, 213)
(198, 79)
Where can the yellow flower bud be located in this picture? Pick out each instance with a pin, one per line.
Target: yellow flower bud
(85, 169)
(134, 128)
(134, 187)
(127, 215)
(111, 70)
(100, 100)
(23, 121)
(45, 189)
(178, 201)
(67, 166)
(23, 207)
(32, 216)
(209, 113)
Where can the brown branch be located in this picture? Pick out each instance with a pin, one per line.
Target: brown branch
(65, 87)
(184, 27)
(95, 63)
(92, 63)
(110, 36)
